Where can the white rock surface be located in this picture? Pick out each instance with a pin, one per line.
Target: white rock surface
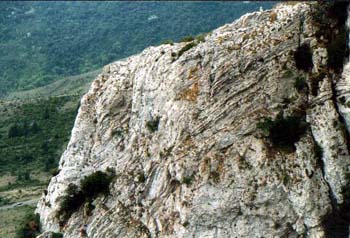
(208, 171)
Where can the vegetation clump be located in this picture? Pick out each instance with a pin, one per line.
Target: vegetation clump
(283, 132)
(57, 235)
(186, 48)
(188, 180)
(303, 58)
(73, 199)
(200, 38)
(91, 186)
(23, 129)
(152, 125)
(95, 184)
(168, 42)
(187, 39)
(4, 201)
(31, 227)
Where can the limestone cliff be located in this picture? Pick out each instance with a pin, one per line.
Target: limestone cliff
(178, 124)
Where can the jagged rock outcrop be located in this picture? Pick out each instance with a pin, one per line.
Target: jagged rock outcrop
(180, 131)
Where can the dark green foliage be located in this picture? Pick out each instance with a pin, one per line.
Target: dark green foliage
(44, 41)
(300, 83)
(200, 38)
(57, 235)
(23, 129)
(4, 201)
(186, 223)
(31, 227)
(71, 202)
(118, 132)
(46, 114)
(187, 180)
(166, 42)
(54, 171)
(338, 51)
(283, 132)
(186, 48)
(141, 177)
(34, 128)
(303, 58)
(14, 131)
(91, 186)
(95, 184)
(30, 142)
(45, 147)
(26, 175)
(187, 39)
(23, 175)
(152, 125)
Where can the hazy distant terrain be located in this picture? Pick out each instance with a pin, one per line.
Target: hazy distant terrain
(41, 42)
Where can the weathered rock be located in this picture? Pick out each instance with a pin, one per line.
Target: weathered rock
(208, 171)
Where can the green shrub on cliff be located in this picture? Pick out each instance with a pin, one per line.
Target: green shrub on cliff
(283, 132)
(92, 186)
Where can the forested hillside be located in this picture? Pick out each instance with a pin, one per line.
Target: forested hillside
(41, 42)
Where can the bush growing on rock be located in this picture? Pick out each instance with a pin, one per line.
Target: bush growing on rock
(303, 58)
(95, 184)
(168, 42)
(186, 48)
(187, 39)
(283, 132)
(152, 125)
(70, 202)
(200, 38)
(31, 227)
(91, 186)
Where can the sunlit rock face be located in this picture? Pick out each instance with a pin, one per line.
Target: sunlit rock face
(180, 130)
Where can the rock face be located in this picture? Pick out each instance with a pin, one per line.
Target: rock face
(180, 130)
